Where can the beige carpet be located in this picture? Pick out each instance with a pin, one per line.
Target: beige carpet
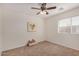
(42, 49)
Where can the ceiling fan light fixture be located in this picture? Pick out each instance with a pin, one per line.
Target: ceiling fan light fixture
(42, 12)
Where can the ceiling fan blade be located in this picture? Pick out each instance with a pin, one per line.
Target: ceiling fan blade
(51, 8)
(38, 13)
(35, 8)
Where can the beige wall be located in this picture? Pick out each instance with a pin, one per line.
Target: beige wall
(15, 21)
(69, 40)
(0, 30)
(14, 26)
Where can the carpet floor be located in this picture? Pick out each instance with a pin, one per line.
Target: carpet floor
(44, 48)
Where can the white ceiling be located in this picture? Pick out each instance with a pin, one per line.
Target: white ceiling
(65, 6)
(26, 8)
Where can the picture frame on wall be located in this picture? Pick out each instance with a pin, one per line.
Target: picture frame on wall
(31, 27)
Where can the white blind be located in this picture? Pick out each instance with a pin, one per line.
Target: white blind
(69, 25)
(75, 24)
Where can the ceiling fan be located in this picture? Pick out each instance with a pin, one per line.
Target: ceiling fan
(43, 9)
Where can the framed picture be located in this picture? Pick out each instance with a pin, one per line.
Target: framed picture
(31, 27)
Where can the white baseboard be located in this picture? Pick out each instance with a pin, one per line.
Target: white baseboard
(72, 47)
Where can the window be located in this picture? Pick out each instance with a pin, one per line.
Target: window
(69, 25)
(64, 25)
(75, 24)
